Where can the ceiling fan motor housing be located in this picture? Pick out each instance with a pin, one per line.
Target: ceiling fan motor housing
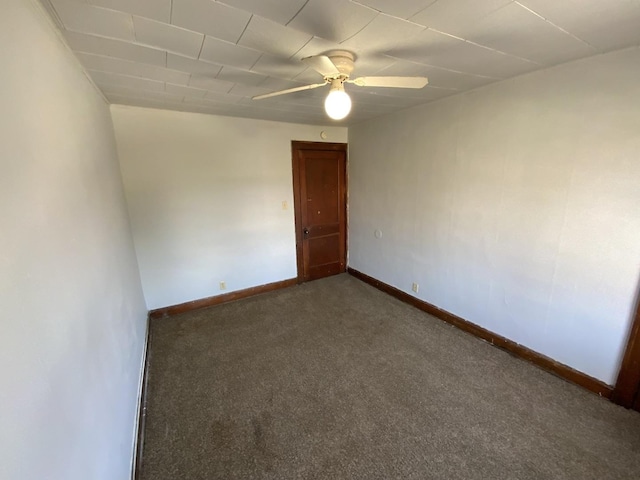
(343, 60)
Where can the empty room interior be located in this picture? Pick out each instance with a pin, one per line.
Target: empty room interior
(308, 239)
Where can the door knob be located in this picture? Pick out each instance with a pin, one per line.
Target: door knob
(305, 231)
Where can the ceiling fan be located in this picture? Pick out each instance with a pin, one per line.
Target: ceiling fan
(336, 66)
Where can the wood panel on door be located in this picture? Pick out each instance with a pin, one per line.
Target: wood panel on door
(319, 181)
(627, 389)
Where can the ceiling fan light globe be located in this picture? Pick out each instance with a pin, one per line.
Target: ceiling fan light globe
(337, 104)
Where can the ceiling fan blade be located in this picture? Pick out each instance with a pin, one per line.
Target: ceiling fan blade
(322, 64)
(393, 82)
(290, 90)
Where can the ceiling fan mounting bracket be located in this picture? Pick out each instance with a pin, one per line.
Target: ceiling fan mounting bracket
(343, 60)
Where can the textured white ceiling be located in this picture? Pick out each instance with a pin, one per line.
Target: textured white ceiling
(212, 56)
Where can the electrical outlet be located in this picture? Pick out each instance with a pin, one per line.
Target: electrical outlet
(415, 287)
(223, 285)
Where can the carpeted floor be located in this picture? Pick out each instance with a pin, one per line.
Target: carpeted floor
(334, 379)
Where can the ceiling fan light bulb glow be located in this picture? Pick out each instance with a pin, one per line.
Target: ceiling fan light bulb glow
(337, 104)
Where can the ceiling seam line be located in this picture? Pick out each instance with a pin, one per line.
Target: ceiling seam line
(254, 64)
(307, 43)
(244, 30)
(188, 85)
(57, 28)
(503, 53)
(368, 7)
(395, 17)
(423, 9)
(365, 26)
(556, 26)
(204, 37)
(129, 61)
(124, 75)
(471, 42)
(442, 68)
(57, 18)
(297, 13)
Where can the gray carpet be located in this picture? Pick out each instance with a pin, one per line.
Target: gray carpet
(334, 379)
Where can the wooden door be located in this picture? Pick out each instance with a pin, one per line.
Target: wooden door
(320, 198)
(627, 389)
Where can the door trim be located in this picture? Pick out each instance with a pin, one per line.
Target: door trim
(627, 389)
(297, 201)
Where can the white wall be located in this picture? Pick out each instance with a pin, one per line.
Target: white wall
(71, 307)
(205, 197)
(516, 207)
